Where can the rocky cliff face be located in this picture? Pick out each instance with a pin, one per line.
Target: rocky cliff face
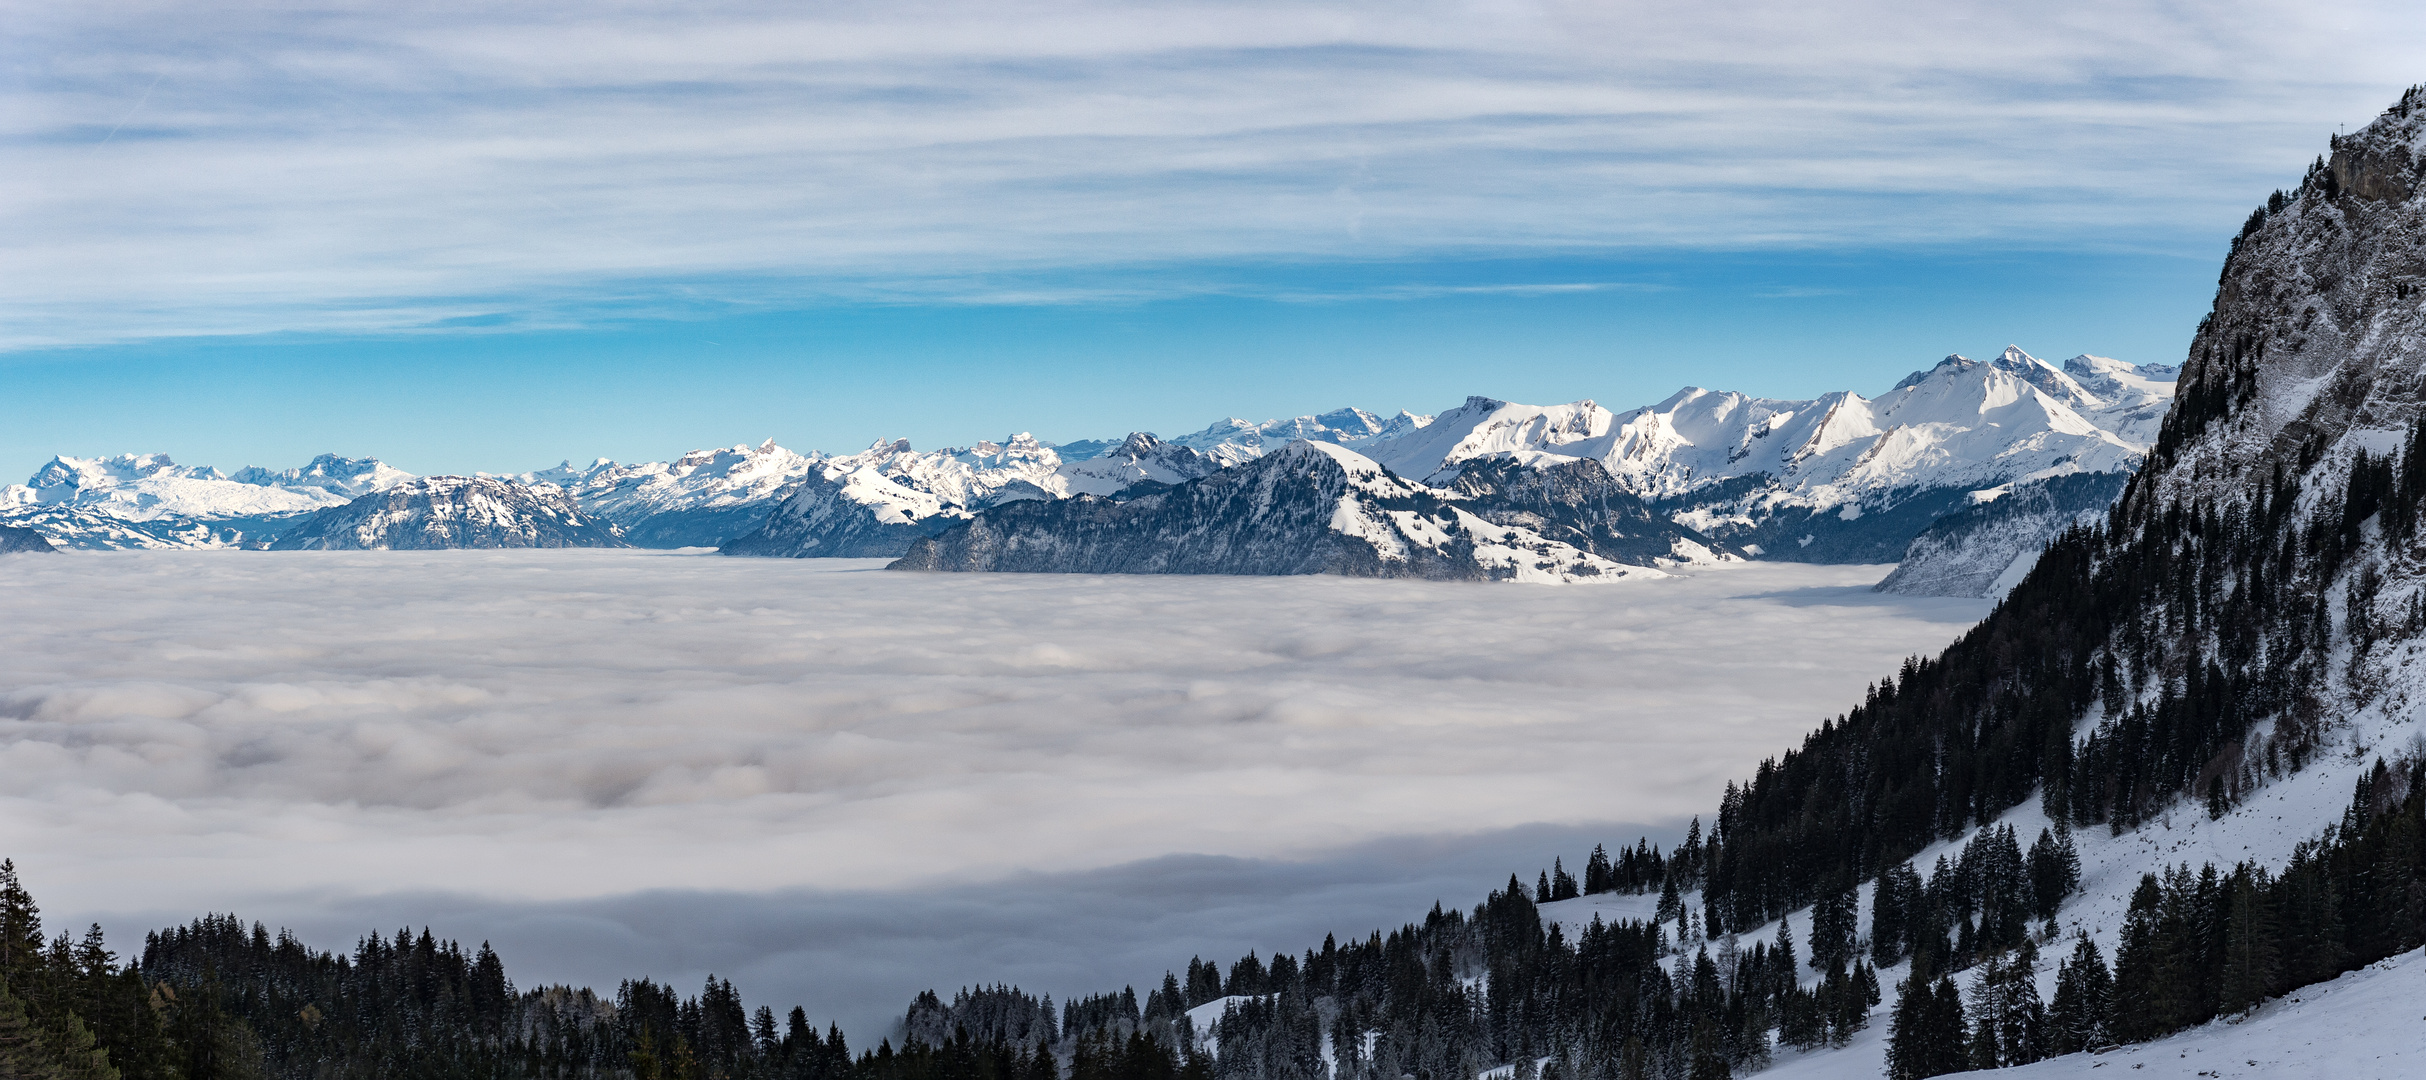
(451, 512)
(2314, 349)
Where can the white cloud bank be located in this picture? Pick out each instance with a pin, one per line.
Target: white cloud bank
(256, 166)
(839, 786)
(538, 725)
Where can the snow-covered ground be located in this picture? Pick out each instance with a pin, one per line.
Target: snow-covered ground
(2366, 1025)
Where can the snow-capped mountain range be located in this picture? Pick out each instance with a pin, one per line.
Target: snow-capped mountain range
(1839, 478)
(1320, 508)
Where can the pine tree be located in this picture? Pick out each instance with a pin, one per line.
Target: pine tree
(2084, 993)
(1926, 1035)
(1894, 903)
(2252, 959)
(1832, 929)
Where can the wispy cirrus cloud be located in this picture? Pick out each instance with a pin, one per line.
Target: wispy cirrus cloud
(253, 167)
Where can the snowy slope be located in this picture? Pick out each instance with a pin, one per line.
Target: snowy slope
(2362, 1026)
(2307, 362)
(699, 499)
(846, 509)
(348, 477)
(1960, 424)
(150, 501)
(1983, 549)
(1785, 478)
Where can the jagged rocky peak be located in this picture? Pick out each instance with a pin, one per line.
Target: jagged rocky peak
(328, 472)
(452, 512)
(1140, 459)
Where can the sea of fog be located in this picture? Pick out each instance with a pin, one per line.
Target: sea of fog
(837, 786)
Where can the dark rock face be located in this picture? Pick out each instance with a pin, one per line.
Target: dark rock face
(437, 512)
(1318, 509)
(14, 539)
(2312, 349)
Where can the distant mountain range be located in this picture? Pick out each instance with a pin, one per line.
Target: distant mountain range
(1839, 478)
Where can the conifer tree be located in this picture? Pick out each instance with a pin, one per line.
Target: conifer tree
(2084, 992)
(2252, 959)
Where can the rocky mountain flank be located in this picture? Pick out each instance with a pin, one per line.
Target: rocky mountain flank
(435, 512)
(1319, 508)
(14, 539)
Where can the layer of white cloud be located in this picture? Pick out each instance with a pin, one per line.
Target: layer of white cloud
(208, 728)
(253, 166)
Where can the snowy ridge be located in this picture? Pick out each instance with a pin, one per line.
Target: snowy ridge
(1141, 458)
(698, 499)
(1232, 441)
(1781, 476)
(147, 487)
(1963, 424)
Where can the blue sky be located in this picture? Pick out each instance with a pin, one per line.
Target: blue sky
(494, 236)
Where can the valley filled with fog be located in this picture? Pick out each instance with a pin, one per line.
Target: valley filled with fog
(825, 781)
